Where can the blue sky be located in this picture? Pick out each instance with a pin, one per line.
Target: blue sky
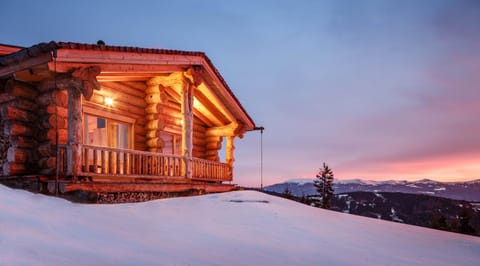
(377, 89)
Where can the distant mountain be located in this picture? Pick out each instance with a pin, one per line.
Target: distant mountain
(469, 191)
(414, 209)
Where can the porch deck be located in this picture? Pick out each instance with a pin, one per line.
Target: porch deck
(112, 169)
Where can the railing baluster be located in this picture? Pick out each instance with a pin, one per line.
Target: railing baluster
(139, 163)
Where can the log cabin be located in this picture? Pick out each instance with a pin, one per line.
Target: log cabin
(101, 118)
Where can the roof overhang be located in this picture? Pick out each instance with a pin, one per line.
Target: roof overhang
(132, 63)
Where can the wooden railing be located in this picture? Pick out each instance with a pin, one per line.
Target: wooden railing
(104, 161)
(210, 170)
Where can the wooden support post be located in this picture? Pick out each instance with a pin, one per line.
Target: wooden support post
(229, 150)
(229, 157)
(187, 126)
(74, 140)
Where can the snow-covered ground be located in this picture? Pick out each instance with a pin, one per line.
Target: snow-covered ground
(236, 228)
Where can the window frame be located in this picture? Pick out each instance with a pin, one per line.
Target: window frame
(109, 116)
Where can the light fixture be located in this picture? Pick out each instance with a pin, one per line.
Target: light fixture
(108, 101)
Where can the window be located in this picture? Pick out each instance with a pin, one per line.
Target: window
(105, 132)
(172, 143)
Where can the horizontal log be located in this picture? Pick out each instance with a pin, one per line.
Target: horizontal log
(213, 146)
(198, 154)
(125, 88)
(13, 113)
(23, 142)
(213, 139)
(47, 172)
(47, 149)
(20, 103)
(17, 155)
(47, 163)
(53, 121)
(211, 152)
(20, 89)
(165, 186)
(140, 146)
(6, 97)
(155, 143)
(120, 96)
(117, 105)
(56, 97)
(199, 148)
(140, 138)
(141, 121)
(139, 85)
(50, 135)
(213, 158)
(232, 129)
(12, 169)
(153, 108)
(14, 128)
(139, 130)
(155, 125)
(58, 110)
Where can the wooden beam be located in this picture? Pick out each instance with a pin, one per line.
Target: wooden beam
(118, 69)
(232, 129)
(106, 187)
(100, 57)
(187, 125)
(24, 64)
(124, 88)
(230, 147)
(74, 139)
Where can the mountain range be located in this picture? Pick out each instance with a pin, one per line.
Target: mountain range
(469, 190)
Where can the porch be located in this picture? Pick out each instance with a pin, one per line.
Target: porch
(115, 164)
(104, 169)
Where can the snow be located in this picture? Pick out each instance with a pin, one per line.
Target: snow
(300, 181)
(440, 189)
(413, 186)
(235, 228)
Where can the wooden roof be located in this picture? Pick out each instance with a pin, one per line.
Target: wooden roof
(117, 63)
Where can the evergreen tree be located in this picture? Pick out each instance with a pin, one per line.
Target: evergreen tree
(464, 217)
(324, 185)
(287, 193)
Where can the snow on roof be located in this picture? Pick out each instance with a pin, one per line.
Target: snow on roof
(236, 228)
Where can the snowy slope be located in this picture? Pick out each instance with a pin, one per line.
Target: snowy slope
(236, 228)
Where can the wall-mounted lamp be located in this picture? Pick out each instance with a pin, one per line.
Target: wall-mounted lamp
(108, 101)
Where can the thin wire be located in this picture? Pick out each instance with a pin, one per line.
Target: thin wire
(261, 159)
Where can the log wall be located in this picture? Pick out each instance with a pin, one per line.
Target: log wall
(128, 102)
(30, 119)
(18, 124)
(173, 126)
(53, 115)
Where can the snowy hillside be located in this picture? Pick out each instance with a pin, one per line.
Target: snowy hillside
(236, 228)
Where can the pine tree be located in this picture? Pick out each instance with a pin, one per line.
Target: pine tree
(287, 193)
(464, 217)
(324, 185)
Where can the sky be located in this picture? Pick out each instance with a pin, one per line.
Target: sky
(379, 90)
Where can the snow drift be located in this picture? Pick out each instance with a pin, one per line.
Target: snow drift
(236, 228)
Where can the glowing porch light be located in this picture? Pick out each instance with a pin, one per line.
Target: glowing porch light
(108, 101)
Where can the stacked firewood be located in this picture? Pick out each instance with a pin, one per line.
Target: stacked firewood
(127, 197)
(53, 118)
(17, 127)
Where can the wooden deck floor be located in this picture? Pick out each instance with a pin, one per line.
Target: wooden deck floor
(107, 187)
